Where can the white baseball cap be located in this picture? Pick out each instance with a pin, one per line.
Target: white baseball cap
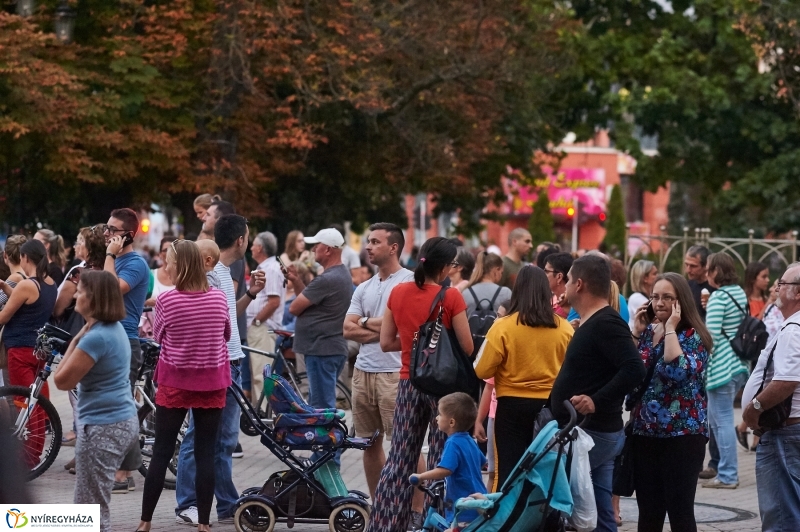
(329, 237)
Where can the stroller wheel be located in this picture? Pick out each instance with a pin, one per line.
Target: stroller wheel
(254, 516)
(246, 426)
(348, 518)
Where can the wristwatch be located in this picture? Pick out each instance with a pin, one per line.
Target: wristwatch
(257, 323)
(363, 321)
(756, 404)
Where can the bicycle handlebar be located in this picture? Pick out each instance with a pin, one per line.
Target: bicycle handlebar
(259, 352)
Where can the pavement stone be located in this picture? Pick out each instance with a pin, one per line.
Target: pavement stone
(57, 486)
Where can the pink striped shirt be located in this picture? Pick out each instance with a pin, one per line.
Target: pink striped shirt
(193, 328)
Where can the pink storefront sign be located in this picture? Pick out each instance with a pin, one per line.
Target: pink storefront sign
(588, 185)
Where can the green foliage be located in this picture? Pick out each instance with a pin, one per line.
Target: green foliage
(541, 223)
(615, 225)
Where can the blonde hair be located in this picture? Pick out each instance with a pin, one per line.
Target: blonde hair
(639, 271)
(13, 243)
(613, 296)
(485, 263)
(291, 245)
(208, 248)
(56, 252)
(191, 275)
(205, 200)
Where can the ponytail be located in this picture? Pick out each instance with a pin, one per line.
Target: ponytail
(57, 251)
(485, 263)
(36, 253)
(435, 254)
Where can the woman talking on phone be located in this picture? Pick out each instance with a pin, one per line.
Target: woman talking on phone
(669, 412)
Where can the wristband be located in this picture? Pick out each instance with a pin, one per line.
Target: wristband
(668, 333)
(635, 337)
(251, 296)
(111, 255)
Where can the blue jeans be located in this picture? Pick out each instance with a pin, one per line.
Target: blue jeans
(227, 437)
(713, 462)
(607, 445)
(778, 479)
(720, 420)
(323, 372)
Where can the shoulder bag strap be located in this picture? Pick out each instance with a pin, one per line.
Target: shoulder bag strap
(769, 359)
(743, 311)
(438, 299)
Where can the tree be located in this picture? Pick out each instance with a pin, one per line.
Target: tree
(541, 223)
(614, 240)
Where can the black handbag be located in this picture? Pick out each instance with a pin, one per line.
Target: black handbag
(622, 483)
(438, 364)
(775, 417)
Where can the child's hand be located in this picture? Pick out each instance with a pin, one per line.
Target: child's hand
(414, 480)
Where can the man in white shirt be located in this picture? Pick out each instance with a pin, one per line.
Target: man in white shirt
(265, 313)
(774, 382)
(376, 373)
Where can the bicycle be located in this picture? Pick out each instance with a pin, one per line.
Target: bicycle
(32, 418)
(298, 381)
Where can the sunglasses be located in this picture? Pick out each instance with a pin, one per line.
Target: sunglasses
(173, 245)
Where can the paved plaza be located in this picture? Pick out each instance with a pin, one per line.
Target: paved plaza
(717, 510)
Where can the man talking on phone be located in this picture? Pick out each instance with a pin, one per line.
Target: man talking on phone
(134, 276)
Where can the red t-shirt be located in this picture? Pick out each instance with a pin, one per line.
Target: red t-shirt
(410, 305)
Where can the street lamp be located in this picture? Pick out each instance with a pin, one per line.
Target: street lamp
(64, 22)
(25, 8)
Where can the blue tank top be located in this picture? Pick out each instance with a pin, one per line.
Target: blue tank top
(21, 329)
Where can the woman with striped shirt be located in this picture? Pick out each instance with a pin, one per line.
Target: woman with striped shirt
(726, 373)
(193, 372)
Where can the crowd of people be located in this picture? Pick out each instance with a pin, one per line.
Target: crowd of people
(560, 330)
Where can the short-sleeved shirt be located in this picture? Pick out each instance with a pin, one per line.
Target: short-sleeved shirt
(350, 258)
(237, 275)
(510, 271)
(485, 291)
(133, 269)
(226, 285)
(369, 300)
(319, 328)
(104, 393)
(411, 305)
(465, 460)
(273, 286)
(785, 363)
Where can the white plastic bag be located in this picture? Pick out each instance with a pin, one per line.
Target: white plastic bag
(584, 511)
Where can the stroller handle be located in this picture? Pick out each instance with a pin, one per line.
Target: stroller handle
(573, 420)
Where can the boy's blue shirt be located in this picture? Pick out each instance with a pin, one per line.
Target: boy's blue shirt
(464, 460)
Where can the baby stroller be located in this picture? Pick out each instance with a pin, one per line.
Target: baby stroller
(534, 496)
(309, 491)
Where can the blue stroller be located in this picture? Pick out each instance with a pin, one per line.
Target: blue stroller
(309, 491)
(534, 496)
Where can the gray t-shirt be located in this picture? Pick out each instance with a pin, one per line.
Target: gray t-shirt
(370, 300)
(485, 291)
(237, 274)
(319, 329)
(350, 258)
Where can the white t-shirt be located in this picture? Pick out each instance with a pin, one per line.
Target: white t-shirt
(636, 300)
(273, 286)
(350, 258)
(370, 300)
(785, 363)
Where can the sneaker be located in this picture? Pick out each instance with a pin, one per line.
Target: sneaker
(225, 520)
(417, 520)
(238, 452)
(131, 484)
(120, 487)
(715, 483)
(708, 473)
(187, 516)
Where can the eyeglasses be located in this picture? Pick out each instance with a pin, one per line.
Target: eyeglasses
(105, 228)
(164, 250)
(551, 272)
(665, 299)
(784, 283)
(454, 263)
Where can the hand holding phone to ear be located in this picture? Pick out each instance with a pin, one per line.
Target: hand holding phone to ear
(115, 245)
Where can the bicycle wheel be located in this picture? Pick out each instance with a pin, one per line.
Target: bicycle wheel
(41, 434)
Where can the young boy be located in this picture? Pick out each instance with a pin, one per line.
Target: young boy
(461, 461)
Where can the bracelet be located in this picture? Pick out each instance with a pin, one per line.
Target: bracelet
(251, 296)
(668, 333)
(111, 255)
(635, 337)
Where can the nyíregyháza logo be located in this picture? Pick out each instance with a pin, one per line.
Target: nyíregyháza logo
(16, 518)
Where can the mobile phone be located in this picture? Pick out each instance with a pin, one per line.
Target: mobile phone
(127, 238)
(283, 266)
(651, 314)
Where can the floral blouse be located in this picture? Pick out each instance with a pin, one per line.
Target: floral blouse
(674, 403)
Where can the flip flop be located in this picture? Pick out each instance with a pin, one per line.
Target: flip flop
(68, 442)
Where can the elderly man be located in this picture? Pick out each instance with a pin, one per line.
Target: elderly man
(266, 312)
(773, 383)
(320, 308)
(519, 244)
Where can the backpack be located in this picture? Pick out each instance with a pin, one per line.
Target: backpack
(751, 336)
(481, 319)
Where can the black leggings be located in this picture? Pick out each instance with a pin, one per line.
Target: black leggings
(168, 423)
(665, 472)
(513, 430)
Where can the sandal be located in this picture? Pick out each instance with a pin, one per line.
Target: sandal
(741, 437)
